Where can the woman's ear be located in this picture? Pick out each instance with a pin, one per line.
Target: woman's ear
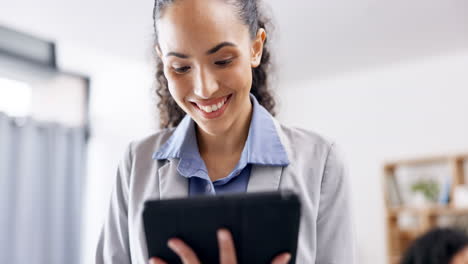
(257, 48)
(158, 51)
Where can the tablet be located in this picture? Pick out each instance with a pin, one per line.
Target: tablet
(263, 225)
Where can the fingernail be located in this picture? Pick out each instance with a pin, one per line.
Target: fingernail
(223, 235)
(172, 244)
(154, 261)
(287, 258)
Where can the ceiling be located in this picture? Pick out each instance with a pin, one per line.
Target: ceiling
(313, 39)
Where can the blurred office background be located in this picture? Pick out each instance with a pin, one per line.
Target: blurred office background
(387, 80)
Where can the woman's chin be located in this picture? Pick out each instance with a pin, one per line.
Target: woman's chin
(215, 128)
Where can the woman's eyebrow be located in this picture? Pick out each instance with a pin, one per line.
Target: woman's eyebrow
(220, 46)
(209, 52)
(177, 54)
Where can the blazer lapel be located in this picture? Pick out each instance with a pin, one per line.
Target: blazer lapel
(264, 178)
(268, 178)
(171, 183)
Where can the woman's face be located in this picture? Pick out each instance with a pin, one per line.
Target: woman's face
(208, 55)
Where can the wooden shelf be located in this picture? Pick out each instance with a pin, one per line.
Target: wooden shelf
(435, 210)
(424, 161)
(398, 239)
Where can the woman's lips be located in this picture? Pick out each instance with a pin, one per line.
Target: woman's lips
(213, 108)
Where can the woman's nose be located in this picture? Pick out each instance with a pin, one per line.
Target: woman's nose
(205, 85)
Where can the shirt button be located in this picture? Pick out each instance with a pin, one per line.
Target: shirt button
(208, 187)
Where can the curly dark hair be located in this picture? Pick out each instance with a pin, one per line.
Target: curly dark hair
(170, 113)
(437, 246)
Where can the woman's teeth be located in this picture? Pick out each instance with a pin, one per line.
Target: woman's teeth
(212, 108)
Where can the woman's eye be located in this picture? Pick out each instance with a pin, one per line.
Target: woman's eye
(223, 62)
(184, 69)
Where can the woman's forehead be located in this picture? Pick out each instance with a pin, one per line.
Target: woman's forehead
(193, 24)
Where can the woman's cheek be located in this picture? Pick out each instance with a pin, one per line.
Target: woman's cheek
(179, 89)
(236, 78)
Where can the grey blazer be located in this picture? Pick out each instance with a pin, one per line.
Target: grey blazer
(315, 172)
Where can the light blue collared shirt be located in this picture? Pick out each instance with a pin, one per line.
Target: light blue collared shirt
(263, 147)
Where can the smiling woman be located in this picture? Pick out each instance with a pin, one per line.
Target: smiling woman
(170, 113)
(219, 136)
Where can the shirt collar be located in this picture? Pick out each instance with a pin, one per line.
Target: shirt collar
(263, 145)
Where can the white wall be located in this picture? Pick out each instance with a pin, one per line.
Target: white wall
(395, 111)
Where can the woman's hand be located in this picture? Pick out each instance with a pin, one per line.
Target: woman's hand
(227, 252)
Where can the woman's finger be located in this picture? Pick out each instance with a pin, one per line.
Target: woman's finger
(227, 251)
(282, 259)
(157, 261)
(185, 253)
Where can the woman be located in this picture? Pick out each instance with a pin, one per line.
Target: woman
(220, 137)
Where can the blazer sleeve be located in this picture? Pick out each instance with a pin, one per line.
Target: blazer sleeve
(335, 236)
(113, 245)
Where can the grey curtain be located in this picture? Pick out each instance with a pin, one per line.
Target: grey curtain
(42, 168)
